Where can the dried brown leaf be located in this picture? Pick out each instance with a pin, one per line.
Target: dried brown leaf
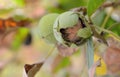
(112, 59)
(112, 56)
(31, 70)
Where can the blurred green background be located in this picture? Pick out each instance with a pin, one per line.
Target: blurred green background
(14, 53)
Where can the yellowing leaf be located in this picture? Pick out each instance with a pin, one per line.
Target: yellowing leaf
(92, 69)
(102, 69)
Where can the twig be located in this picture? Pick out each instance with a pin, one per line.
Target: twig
(50, 52)
(108, 31)
(106, 18)
(105, 5)
(113, 25)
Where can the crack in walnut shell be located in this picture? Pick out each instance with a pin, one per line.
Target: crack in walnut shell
(70, 34)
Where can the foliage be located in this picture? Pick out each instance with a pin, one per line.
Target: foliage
(93, 5)
(70, 26)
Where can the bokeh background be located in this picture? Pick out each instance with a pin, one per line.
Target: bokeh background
(14, 54)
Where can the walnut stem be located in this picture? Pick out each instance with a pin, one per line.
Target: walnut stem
(105, 5)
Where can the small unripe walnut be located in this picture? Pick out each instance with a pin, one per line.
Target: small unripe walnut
(68, 28)
(46, 27)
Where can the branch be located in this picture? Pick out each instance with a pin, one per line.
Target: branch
(114, 4)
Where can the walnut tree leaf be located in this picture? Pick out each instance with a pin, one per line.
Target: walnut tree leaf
(31, 70)
(93, 5)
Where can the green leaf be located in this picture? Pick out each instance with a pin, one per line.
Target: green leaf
(85, 33)
(19, 17)
(20, 3)
(65, 5)
(55, 10)
(90, 53)
(68, 4)
(93, 5)
(114, 27)
(99, 18)
(111, 24)
(62, 64)
(6, 11)
(19, 38)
